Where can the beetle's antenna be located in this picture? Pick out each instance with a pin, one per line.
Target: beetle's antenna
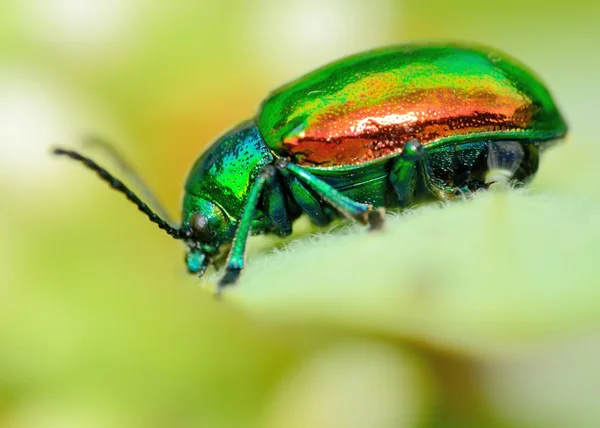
(120, 187)
(132, 176)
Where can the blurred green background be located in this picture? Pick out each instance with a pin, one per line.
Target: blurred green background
(101, 327)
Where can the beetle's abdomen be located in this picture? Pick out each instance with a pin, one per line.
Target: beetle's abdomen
(368, 106)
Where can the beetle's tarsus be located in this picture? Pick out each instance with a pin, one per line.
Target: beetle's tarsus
(376, 219)
(230, 278)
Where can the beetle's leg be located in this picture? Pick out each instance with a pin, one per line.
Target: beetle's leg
(445, 193)
(504, 158)
(235, 260)
(404, 172)
(437, 187)
(308, 203)
(275, 208)
(363, 213)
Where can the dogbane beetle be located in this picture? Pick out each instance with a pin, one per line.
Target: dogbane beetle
(371, 131)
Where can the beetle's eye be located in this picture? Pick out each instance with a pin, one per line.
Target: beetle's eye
(199, 225)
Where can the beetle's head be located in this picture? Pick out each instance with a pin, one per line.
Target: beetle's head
(217, 190)
(206, 227)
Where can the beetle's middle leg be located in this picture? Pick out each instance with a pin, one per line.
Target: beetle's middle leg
(413, 162)
(349, 208)
(403, 175)
(438, 187)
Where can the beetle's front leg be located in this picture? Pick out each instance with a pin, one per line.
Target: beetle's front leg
(363, 213)
(235, 260)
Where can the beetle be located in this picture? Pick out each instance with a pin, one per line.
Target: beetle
(376, 130)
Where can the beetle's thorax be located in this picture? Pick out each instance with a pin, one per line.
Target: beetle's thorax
(220, 180)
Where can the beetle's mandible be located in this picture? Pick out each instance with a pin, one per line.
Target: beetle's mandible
(372, 131)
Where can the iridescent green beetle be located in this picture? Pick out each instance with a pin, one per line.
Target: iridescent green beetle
(373, 130)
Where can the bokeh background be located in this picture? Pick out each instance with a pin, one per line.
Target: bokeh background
(440, 323)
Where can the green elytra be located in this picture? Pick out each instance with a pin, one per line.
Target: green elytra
(372, 131)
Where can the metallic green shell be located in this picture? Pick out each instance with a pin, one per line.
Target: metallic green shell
(226, 170)
(365, 107)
